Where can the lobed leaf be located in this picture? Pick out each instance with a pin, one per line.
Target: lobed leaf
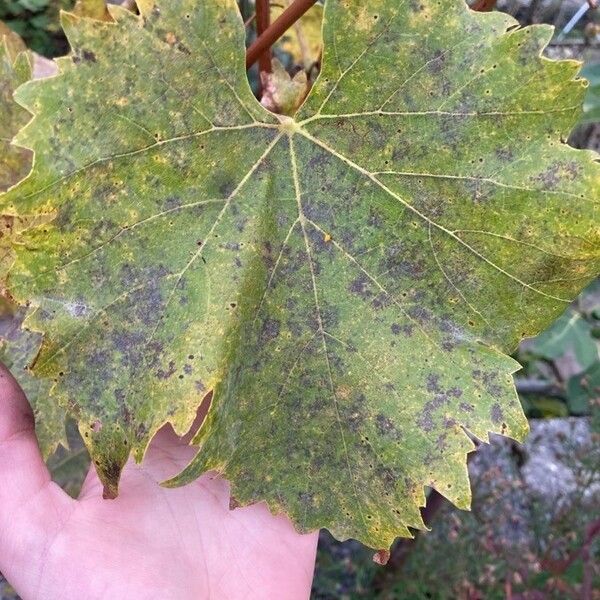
(19, 347)
(15, 69)
(347, 280)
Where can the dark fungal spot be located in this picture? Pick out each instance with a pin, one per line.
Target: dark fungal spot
(423, 315)
(436, 64)
(165, 374)
(496, 414)
(441, 442)
(505, 154)
(88, 56)
(433, 383)
(386, 427)
(449, 423)
(360, 287)
(448, 345)
(270, 330)
(171, 202)
(425, 419)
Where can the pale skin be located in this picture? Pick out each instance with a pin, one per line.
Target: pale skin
(151, 542)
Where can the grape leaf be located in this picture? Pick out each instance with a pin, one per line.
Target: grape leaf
(347, 281)
(18, 346)
(15, 69)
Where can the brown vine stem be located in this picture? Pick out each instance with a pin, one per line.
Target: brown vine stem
(276, 29)
(263, 20)
(483, 5)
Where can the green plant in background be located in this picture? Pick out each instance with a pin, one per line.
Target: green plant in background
(562, 365)
(591, 104)
(37, 22)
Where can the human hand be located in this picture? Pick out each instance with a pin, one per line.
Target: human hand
(151, 542)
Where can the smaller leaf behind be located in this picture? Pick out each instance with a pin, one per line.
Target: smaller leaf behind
(13, 41)
(15, 69)
(92, 9)
(19, 347)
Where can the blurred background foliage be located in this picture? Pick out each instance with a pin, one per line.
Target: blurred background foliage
(37, 22)
(534, 531)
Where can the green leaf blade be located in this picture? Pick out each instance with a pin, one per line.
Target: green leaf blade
(346, 281)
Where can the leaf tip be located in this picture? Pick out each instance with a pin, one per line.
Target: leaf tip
(381, 557)
(109, 492)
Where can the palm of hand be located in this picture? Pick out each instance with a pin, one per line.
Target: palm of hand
(150, 542)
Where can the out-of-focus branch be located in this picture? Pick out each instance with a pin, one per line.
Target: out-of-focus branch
(539, 386)
(276, 29)
(483, 5)
(263, 20)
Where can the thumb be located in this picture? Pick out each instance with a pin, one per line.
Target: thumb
(29, 500)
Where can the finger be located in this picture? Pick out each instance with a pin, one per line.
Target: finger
(22, 470)
(29, 501)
